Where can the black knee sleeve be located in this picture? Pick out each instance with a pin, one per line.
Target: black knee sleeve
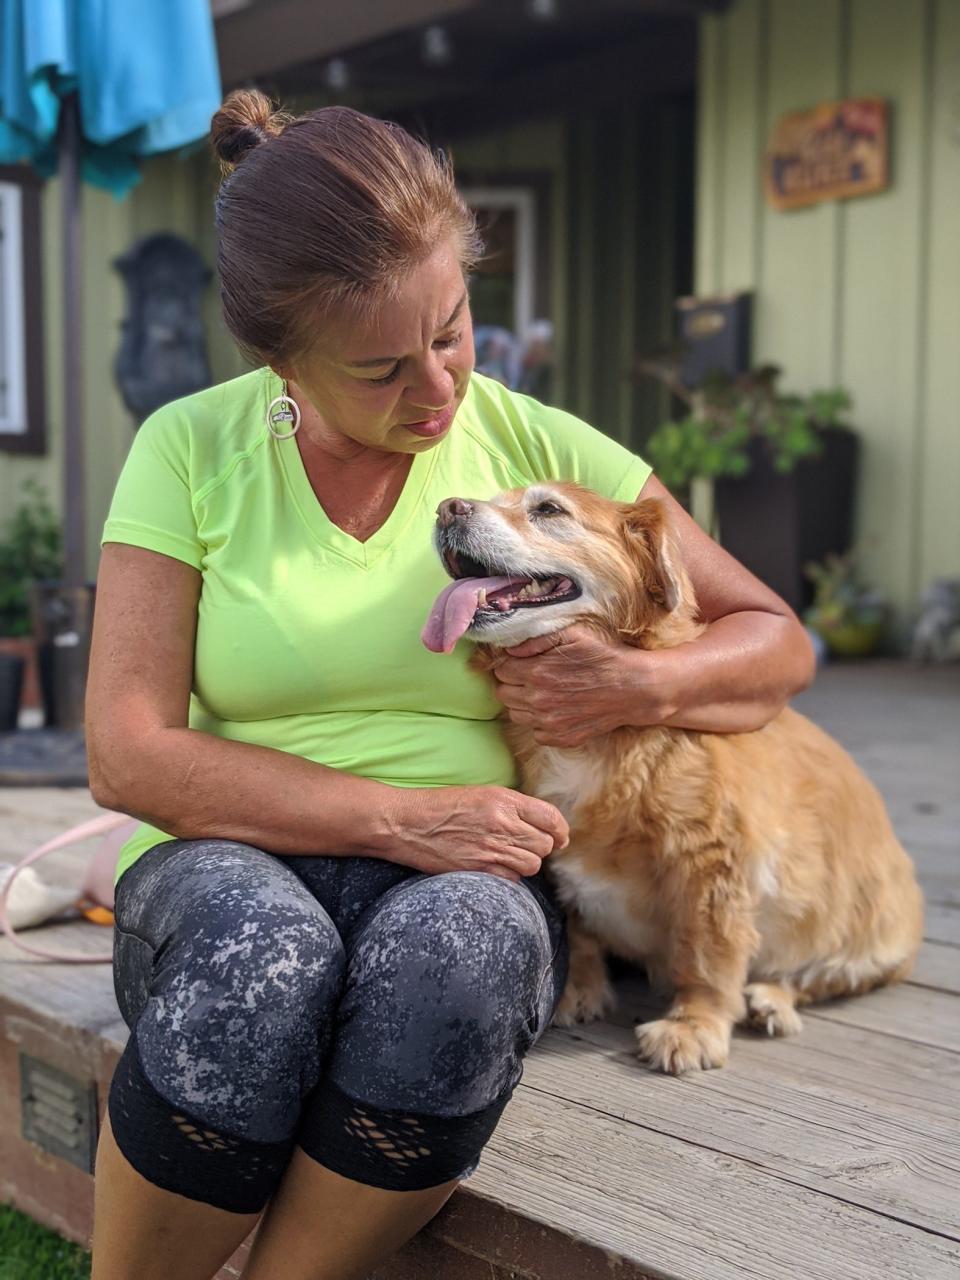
(180, 1153)
(395, 1150)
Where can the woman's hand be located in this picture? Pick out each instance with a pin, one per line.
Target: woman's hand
(576, 684)
(490, 829)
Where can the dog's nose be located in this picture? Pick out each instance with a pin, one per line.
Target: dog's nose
(453, 509)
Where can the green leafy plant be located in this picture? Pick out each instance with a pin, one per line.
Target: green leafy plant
(850, 617)
(726, 414)
(30, 549)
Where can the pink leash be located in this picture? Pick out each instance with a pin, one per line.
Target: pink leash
(102, 865)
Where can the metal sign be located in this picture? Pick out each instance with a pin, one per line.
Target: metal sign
(834, 152)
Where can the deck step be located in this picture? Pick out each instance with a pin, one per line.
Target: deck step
(62, 1021)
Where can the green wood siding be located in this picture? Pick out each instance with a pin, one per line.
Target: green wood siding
(865, 293)
(629, 204)
(175, 195)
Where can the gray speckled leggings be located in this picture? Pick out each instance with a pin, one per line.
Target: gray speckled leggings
(372, 1015)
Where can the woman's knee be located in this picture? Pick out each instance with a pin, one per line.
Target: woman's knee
(239, 983)
(464, 934)
(448, 984)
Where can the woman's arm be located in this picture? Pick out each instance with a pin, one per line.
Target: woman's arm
(145, 761)
(754, 655)
(752, 658)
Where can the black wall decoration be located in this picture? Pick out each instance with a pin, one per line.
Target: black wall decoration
(163, 349)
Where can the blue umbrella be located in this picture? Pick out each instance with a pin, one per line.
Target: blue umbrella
(89, 87)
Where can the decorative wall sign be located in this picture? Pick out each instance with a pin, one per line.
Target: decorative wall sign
(833, 152)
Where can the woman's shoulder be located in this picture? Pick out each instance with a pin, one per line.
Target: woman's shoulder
(538, 441)
(210, 428)
(509, 423)
(496, 406)
(535, 438)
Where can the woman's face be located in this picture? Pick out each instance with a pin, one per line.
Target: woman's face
(396, 382)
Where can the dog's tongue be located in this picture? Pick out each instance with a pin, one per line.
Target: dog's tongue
(454, 608)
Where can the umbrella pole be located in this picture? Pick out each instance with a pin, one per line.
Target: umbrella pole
(74, 477)
(63, 611)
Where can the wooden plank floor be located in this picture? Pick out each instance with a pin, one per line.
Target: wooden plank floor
(831, 1156)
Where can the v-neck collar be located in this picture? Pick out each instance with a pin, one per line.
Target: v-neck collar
(311, 510)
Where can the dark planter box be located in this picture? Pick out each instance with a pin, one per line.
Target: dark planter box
(25, 647)
(775, 524)
(62, 620)
(11, 684)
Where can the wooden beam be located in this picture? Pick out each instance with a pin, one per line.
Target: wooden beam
(264, 39)
(663, 63)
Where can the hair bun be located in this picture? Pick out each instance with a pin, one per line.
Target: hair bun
(246, 118)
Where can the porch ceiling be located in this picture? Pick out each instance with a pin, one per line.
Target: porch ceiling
(264, 37)
(496, 46)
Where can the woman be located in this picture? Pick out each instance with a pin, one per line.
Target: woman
(328, 1006)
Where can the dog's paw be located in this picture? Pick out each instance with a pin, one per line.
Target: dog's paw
(584, 1002)
(676, 1046)
(770, 1009)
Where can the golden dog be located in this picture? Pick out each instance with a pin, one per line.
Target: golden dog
(749, 872)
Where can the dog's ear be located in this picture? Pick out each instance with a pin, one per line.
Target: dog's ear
(647, 535)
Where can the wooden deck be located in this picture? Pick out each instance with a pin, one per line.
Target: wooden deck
(831, 1156)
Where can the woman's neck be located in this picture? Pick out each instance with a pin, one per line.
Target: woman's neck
(322, 439)
(357, 487)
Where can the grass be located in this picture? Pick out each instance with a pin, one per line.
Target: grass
(31, 1252)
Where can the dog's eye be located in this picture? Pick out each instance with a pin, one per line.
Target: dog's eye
(548, 509)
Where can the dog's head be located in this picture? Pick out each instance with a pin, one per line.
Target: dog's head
(532, 561)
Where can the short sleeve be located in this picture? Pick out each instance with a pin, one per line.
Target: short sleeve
(152, 504)
(544, 443)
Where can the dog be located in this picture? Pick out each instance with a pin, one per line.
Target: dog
(750, 873)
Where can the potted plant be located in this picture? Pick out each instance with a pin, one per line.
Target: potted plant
(30, 549)
(782, 468)
(849, 617)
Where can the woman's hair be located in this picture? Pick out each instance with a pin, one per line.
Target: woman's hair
(320, 214)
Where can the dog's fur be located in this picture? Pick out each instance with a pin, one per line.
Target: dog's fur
(749, 872)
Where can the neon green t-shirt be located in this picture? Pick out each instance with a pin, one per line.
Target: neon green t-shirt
(308, 641)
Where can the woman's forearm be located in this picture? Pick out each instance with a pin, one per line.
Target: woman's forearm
(194, 785)
(734, 677)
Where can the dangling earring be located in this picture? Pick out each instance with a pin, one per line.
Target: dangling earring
(283, 414)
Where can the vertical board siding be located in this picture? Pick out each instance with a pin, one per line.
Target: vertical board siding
(710, 186)
(109, 230)
(630, 252)
(939, 480)
(630, 174)
(863, 293)
(663, 165)
(794, 308)
(744, 117)
(579, 352)
(649, 327)
(882, 248)
(611, 280)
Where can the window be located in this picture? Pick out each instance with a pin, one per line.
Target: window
(21, 354)
(504, 284)
(510, 286)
